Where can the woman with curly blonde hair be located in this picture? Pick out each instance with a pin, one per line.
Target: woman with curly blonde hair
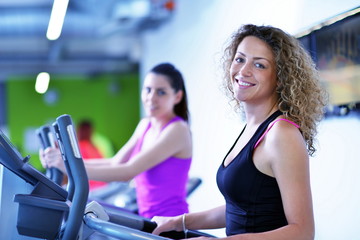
(265, 177)
(301, 97)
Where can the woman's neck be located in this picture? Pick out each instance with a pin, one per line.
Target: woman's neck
(257, 115)
(158, 123)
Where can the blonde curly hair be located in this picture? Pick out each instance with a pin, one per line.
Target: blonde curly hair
(301, 96)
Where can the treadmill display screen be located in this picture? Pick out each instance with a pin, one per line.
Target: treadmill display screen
(9, 155)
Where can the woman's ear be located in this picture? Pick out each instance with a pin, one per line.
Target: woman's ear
(178, 96)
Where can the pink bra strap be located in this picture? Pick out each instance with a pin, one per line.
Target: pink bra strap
(270, 126)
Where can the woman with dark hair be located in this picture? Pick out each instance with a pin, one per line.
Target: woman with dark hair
(158, 154)
(265, 177)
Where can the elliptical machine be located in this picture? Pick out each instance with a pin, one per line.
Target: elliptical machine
(66, 215)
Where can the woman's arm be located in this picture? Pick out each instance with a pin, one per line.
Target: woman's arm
(51, 157)
(123, 155)
(172, 140)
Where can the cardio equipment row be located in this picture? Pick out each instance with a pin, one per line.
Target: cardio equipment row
(51, 212)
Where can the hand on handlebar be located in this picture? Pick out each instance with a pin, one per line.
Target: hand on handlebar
(51, 157)
(166, 224)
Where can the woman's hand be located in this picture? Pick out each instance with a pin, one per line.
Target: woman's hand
(166, 224)
(42, 159)
(51, 157)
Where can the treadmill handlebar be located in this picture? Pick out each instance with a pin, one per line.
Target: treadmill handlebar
(47, 139)
(117, 231)
(70, 150)
(149, 226)
(146, 225)
(131, 220)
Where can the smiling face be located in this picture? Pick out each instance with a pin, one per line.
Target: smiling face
(158, 97)
(253, 72)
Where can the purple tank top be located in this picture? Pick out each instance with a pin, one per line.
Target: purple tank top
(161, 190)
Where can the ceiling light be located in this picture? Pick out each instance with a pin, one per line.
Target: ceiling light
(42, 82)
(56, 22)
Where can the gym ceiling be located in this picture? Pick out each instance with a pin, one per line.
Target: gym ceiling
(97, 36)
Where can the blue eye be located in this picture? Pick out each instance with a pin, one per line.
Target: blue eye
(259, 65)
(161, 92)
(147, 89)
(239, 60)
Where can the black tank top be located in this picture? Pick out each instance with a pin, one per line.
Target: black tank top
(253, 200)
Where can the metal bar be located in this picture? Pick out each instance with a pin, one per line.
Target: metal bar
(117, 231)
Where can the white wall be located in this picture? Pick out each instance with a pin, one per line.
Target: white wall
(193, 41)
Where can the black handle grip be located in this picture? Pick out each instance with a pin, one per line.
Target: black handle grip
(125, 218)
(149, 226)
(47, 139)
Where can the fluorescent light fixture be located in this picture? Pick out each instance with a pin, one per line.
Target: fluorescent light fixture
(56, 22)
(140, 8)
(132, 9)
(42, 82)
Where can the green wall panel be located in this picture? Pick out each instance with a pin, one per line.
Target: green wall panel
(112, 102)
